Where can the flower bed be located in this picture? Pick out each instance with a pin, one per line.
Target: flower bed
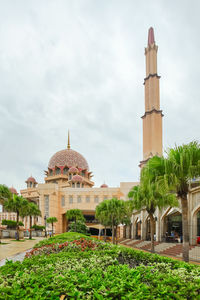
(88, 269)
(76, 245)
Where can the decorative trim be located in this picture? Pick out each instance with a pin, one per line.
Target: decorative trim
(152, 111)
(151, 75)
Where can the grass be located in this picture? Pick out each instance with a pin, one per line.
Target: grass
(18, 241)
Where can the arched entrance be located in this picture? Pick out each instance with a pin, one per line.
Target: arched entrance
(173, 226)
(198, 223)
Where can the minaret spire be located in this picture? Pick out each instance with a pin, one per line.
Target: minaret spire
(68, 144)
(151, 39)
(152, 119)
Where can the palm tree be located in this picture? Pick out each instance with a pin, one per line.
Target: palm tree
(150, 195)
(181, 166)
(101, 215)
(75, 215)
(31, 210)
(52, 220)
(16, 204)
(129, 206)
(114, 211)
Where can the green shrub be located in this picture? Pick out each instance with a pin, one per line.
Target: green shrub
(38, 227)
(11, 224)
(79, 227)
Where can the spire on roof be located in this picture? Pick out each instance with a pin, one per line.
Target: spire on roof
(151, 39)
(68, 145)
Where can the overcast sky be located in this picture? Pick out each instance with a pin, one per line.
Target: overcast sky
(80, 65)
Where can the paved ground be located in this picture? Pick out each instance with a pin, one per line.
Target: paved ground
(14, 250)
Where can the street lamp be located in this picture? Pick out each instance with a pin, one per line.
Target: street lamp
(45, 224)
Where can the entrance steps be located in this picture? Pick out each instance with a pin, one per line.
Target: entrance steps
(171, 249)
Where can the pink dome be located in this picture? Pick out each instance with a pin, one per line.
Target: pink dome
(69, 158)
(13, 190)
(104, 185)
(77, 178)
(73, 170)
(31, 179)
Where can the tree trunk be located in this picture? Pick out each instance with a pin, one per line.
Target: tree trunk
(30, 230)
(185, 229)
(17, 227)
(52, 228)
(116, 239)
(152, 222)
(113, 233)
(124, 231)
(130, 227)
(105, 234)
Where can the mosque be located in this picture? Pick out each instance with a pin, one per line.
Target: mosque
(68, 183)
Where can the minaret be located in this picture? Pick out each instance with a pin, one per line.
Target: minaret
(152, 119)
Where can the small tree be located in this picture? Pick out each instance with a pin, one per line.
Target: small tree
(75, 215)
(52, 220)
(31, 210)
(16, 204)
(5, 194)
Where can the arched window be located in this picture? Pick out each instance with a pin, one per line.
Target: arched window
(73, 184)
(78, 185)
(65, 170)
(51, 172)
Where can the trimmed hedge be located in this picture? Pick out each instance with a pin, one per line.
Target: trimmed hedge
(11, 224)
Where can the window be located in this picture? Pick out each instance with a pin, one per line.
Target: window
(73, 184)
(63, 201)
(78, 185)
(82, 185)
(70, 199)
(46, 205)
(96, 199)
(70, 176)
(87, 198)
(51, 172)
(30, 184)
(79, 199)
(57, 171)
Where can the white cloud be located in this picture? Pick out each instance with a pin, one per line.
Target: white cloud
(80, 65)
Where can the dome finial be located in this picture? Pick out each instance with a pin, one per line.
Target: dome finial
(68, 145)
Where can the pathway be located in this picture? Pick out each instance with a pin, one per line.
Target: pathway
(14, 250)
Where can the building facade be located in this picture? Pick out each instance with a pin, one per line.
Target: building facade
(68, 185)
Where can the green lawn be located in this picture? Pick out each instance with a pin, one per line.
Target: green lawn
(83, 268)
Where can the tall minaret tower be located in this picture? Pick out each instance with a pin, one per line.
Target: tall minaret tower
(152, 119)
